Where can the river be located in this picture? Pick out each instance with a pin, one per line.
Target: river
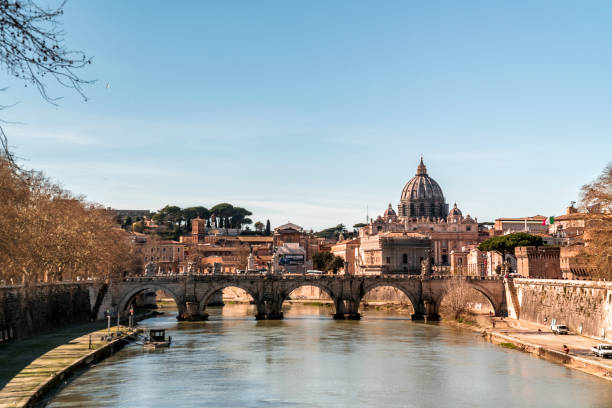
(310, 360)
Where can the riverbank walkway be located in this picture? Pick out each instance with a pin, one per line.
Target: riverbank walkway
(53, 365)
(533, 334)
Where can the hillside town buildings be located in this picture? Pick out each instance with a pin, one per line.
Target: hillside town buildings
(423, 229)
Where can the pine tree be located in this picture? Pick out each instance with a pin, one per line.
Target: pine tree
(268, 231)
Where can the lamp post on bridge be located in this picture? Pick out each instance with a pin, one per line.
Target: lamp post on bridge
(108, 317)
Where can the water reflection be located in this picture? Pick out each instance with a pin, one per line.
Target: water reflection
(310, 360)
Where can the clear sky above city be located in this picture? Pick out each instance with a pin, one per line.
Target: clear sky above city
(310, 112)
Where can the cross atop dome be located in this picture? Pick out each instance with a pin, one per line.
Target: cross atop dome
(421, 170)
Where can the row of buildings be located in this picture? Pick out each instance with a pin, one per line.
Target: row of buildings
(423, 234)
(289, 247)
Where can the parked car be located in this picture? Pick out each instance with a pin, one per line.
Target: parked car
(314, 272)
(559, 329)
(602, 350)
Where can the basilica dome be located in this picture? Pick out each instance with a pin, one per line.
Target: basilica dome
(422, 196)
(390, 212)
(455, 211)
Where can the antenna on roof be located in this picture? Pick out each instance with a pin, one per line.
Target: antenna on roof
(367, 215)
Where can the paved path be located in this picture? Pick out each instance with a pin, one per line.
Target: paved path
(17, 355)
(19, 390)
(542, 336)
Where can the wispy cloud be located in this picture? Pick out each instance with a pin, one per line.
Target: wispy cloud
(24, 134)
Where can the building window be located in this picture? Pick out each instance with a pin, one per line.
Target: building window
(405, 259)
(388, 259)
(468, 228)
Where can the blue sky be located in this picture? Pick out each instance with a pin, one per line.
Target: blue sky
(311, 111)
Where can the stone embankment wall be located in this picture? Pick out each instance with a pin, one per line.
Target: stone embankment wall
(584, 306)
(28, 310)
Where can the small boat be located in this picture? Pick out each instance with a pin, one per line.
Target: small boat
(157, 339)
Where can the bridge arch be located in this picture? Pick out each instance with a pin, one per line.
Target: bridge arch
(495, 303)
(127, 297)
(286, 292)
(412, 295)
(207, 296)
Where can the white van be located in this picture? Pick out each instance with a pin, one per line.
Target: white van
(559, 329)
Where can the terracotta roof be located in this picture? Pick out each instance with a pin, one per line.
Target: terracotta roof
(255, 239)
(165, 242)
(224, 249)
(575, 216)
(289, 225)
(534, 218)
(402, 234)
(345, 242)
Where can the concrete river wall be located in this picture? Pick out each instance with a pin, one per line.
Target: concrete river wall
(584, 306)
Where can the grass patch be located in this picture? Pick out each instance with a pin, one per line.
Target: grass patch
(315, 304)
(464, 320)
(508, 345)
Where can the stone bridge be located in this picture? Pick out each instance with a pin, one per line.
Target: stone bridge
(193, 292)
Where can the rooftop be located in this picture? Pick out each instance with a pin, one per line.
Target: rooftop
(287, 226)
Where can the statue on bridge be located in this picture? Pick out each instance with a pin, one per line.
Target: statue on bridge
(275, 263)
(426, 265)
(191, 268)
(150, 269)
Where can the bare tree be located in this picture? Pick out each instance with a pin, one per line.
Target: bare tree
(597, 200)
(47, 234)
(597, 196)
(456, 298)
(32, 49)
(31, 46)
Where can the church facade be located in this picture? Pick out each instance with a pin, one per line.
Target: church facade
(422, 210)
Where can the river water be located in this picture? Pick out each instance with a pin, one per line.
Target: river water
(310, 360)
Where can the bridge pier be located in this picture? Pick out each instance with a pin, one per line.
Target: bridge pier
(426, 311)
(269, 310)
(346, 310)
(347, 316)
(190, 312)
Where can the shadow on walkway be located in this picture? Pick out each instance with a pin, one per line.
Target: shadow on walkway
(16, 355)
